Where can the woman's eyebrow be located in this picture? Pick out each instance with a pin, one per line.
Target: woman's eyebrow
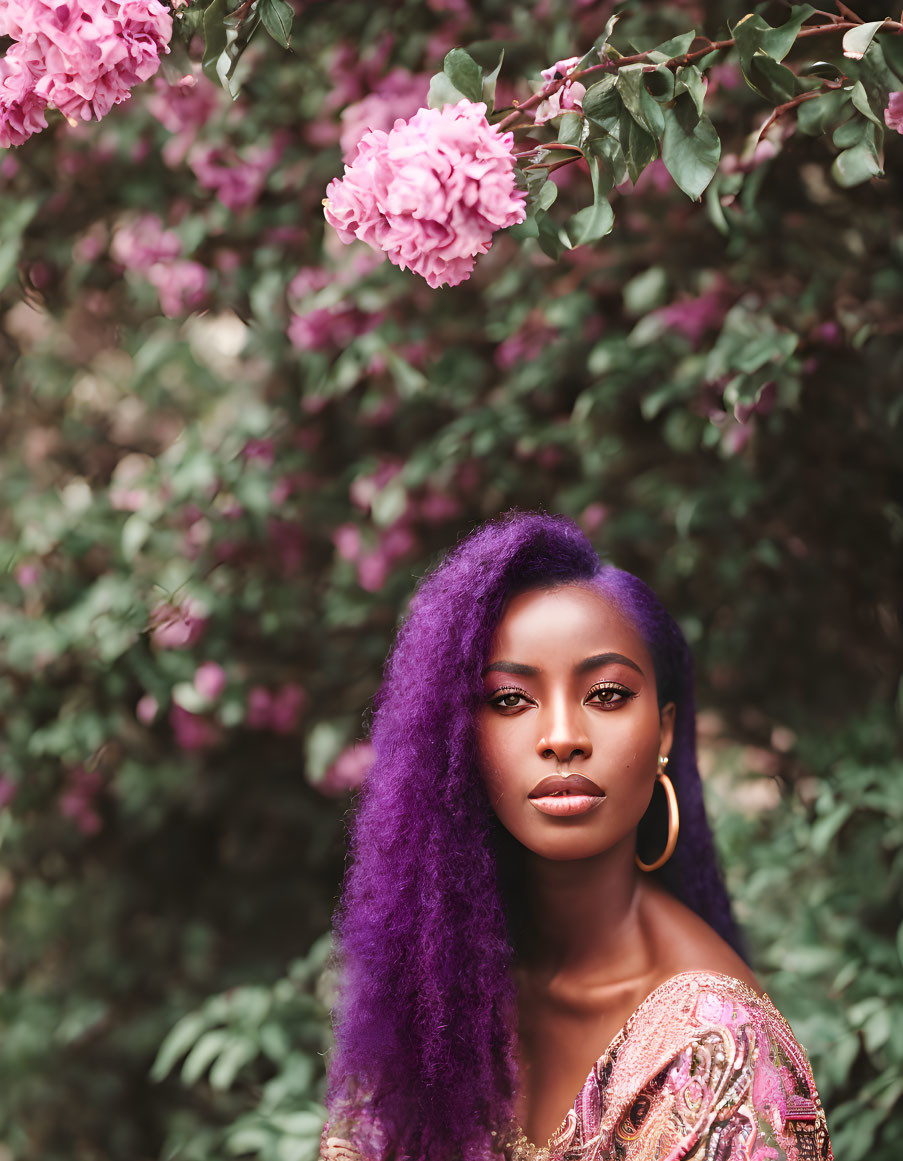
(511, 667)
(600, 659)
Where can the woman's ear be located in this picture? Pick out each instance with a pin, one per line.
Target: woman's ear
(666, 736)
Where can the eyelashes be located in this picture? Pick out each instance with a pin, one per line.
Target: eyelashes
(607, 695)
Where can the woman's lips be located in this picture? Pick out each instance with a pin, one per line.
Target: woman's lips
(566, 804)
(566, 794)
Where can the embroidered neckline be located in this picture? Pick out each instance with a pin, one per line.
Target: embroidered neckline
(515, 1143)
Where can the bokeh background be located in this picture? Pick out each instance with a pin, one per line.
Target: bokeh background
(230, 447)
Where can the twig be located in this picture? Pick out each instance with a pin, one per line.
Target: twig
(613, 65)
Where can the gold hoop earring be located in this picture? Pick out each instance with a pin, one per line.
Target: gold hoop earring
(673, 821)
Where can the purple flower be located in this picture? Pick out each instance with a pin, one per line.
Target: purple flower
(430, 193)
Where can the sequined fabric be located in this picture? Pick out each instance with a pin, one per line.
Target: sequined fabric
(705, 1069)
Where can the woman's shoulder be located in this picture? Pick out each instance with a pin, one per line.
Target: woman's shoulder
(704, 1057)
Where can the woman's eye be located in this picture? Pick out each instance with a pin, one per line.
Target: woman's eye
(510, 699)
(609, 695)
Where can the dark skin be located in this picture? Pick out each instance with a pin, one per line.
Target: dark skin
(570, 689)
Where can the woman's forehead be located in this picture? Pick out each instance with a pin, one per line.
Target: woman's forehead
(569, 618)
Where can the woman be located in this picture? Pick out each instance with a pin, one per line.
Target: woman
(536, 948)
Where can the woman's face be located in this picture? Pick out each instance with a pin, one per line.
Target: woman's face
(569, 690)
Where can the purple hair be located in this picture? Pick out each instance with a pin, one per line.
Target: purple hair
(424, 1063)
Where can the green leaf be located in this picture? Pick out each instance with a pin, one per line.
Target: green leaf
(210, 1045)
(774, 81)
(815, 116)
(892, 48)
(857, 40)
(570, 129)
(489, 83)
(181, 1037)
(694, 82)
(230, 1062)
(276, 16)
(442, 92)
(641, 150)
(214, 38)
(464, 73)
(641, 105)
(860, 99)
(752, 34)
(858, 164)
(595, 221)
(601, 102)
(690, 148)
(669, 49)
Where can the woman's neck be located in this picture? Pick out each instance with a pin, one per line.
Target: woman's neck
(582, 920)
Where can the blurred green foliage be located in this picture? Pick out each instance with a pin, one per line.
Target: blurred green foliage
(220, 484)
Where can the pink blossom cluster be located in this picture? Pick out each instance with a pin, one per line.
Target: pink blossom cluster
(145, 247)
(569, 96)
(81, 58)
(430, 193)
(277, 710)
(182, 108)
(237, 181)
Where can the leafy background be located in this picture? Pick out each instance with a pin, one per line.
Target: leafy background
(231, 445)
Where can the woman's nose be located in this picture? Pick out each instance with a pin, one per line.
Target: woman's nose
(563, 736)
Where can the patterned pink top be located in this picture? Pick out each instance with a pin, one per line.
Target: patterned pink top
(705, 1069)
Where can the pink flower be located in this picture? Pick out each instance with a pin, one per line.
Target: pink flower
(21, 109)
(210, 680)
(140, 243)
(28, 575)
(87, 56)
(347, 541)
(430, 193)
(277, 711)
(177, 626)
(181, 285)
(694, 316)
(398, 94)
(893, 114)
(237, 181)
(192, 731)
(147, 709)
(569, 96)
(330, 327)
(348, 770)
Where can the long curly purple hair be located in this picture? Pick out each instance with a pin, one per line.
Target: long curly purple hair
(424, 1065)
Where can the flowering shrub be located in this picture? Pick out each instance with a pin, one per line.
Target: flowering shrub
(213, 521)
(431, 192)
